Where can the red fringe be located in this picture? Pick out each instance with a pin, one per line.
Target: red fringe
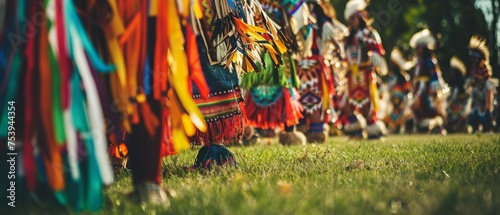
(167, 147)
(225, 131)
(278, 115)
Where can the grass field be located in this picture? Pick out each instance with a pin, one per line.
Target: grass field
(456, 174)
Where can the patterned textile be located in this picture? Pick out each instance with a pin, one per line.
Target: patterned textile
(221, 109)
(311, 92)
(363, 51)
(269, 99)
(359, 87)
(223, 115)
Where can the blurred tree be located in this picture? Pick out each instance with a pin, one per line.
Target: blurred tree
(453, 23)
(494, 33)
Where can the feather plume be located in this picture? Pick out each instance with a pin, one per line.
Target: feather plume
(354, 6)
(398, 59)
(379, 62)
(456, 63)
(423, 37)
(478, 44)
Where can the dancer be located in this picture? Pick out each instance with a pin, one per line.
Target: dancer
(317, 41)
(399, 86)
(66, 110)
(167, 67)
(271, 98)
(483, 88)
(457, 110)
(364, 53)
(430, 91)
(230, 45)
(337, 67)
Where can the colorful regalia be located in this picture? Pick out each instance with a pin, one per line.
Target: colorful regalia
(457, 110)
(482, 105)
(364, 53)
(231, 44)
(430, 91)
(317, 40)
(334, 60)
(74, 104)
(51, 75)
(271, 98)
(398, 86)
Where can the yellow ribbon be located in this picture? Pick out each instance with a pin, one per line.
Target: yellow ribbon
(355, 69)
(185, 112)
(118, 80)
(374, 93)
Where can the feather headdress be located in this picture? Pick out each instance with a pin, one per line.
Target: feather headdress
(423, 37)
(478, 47)
(354, 6)
(398, 59)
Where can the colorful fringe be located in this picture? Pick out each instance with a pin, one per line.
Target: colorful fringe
(66, 114)
(269, 74)
(230, 41)
(232, 38)
(283, 111)
(269, 103)
(88, 51)
(223, 115)
(61, 106)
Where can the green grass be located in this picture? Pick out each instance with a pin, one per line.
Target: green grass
(417, 174)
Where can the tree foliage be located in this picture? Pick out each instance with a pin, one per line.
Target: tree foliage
(453, 23)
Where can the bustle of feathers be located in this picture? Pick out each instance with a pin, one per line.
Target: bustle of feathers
(456, 63)
(239, 42)
(398, 59)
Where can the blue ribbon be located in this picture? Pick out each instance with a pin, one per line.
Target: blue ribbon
(94, 58)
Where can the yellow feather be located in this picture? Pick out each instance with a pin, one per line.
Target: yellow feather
(326, 95)
(270, 48)
(179, 138)
(188, 125)
(197, 10)
(180, 76)
(234, 57)
(228, 62)
(275, 60)
(180, 141)
(281, 47)
(373, 95)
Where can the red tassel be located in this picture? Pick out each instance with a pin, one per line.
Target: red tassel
(149, 119)
(161, 67)
(29, 114)
(167, 147)
(278, 115)
(228, 130)
(62, 54)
